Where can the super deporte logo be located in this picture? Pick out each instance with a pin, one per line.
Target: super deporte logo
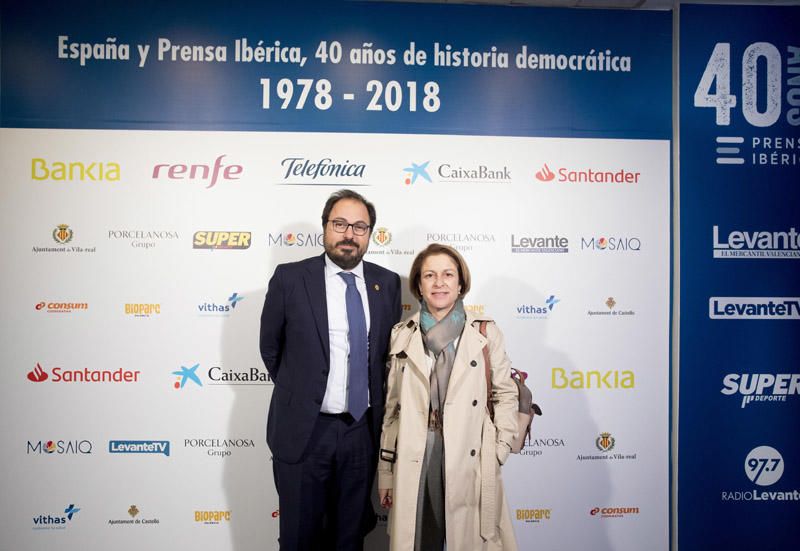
(761, 387)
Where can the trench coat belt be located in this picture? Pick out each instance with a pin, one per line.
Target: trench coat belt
(488, 503)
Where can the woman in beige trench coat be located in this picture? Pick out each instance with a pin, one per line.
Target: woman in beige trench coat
(475, 510)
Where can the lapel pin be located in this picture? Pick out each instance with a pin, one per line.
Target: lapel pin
(377, 287)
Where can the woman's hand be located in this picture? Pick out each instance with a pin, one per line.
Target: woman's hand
(385, 497)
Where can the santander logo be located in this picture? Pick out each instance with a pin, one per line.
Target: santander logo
(545, 175)
(37, 375)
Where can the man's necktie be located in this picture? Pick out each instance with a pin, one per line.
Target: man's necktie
(357, 395)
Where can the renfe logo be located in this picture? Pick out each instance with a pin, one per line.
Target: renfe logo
(778, 308)
(199, 172)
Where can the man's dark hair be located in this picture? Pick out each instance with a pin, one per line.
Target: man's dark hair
(347, 194)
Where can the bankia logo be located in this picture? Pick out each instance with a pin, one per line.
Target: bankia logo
(295, 239)
(754, 308)
(55, 521)
(133, 519)
(587, 175)
(44, 170)
(61, 307)
(761, 387)
(455, 172)
(208, 174)
(540, 244)
(219, 308)
(325, 171)
(577, 379)
(59, 447)
(142, 239)
(85, 375)
(537, 311)
(219, 447)
(139, 446)
(756, 244)
(207, 239)
(611, 244)
(763, 466)
(533, 516)
(63, 235)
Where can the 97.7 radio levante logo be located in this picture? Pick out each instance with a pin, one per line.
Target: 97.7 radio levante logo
(764, 467)
(765, 72)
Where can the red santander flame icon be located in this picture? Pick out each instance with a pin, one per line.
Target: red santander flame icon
(37, 375)
(545, 175)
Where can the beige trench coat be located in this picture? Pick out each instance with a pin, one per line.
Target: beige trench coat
(476, 512)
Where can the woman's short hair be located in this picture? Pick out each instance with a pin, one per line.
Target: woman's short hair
(414, 276)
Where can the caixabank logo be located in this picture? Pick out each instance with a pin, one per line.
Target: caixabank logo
(56, 521)
(587, 175)
(135, 518)
(204, 174)
(324, 171)
(62, 375)
(754, 308)
(756, 244)
(761, 388)
(59, 447)
(221, 239)
(219, 376)
(764, 467)
(457, 172)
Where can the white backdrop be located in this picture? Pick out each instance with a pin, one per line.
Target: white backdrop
(597, 360)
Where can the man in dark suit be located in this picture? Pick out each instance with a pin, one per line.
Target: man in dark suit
(325, 333)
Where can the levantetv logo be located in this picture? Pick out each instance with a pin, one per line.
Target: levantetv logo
(757, 308)
(55, 521)
(139, 446)
(757, 244)
(761, 387)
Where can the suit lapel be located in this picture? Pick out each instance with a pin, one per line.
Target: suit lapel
(315, 287)
(375, 318)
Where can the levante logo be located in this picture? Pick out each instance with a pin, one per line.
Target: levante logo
(757, 244)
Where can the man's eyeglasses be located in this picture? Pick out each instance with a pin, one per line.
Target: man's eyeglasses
(340, 226)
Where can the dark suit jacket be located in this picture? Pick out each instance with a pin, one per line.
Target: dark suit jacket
(296, 351)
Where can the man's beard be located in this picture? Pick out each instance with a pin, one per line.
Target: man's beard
(345, 260)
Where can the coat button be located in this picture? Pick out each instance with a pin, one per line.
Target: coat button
(473, 363)
(472, 453)
(474, 402)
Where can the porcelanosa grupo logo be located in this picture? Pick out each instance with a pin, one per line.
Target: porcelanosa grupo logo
(219, 447)
(537, 311)
(60, 375)
(206, 174)
(459, 173)
(142, 239)
(763, 466)
(295, 239)
(55, 521)
(219, 308)
(300, 171)
(754, 308)
(761, 387)
(536, 447)
(462, 241)
(757, 244)
(587, 175)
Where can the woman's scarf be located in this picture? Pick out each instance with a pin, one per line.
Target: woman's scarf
(439, 338)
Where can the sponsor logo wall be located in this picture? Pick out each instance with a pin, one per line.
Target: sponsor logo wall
(142, 256)
(740, 277)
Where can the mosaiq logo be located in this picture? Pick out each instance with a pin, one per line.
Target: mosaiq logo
(208, 174)
(611, 244)
(300, 171)
(60, 447)
(295, 239)
(761, 387)
(764, 467)
(756, 244)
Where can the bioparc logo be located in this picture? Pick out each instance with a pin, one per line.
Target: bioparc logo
(457, 173)
(55, 521)
(63, 235)
(756, 308)
(761, 387)
(757, 244)
(61, 307)
(300, 171)
(142, 309)
(763, 466)
(295, 239)
(616, 244)
(605, 443)
(208, 174)
(613, 512)
(219, 308)
(536, 447)
(537, 311)
(583, 175)
(217, 376)
(612, 311)
(133, 520)
(60, 447)
(85, 375)
(207, 239)
(139, 446)
(212, 517)
(533, 516)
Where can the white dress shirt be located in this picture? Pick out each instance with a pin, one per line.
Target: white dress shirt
(335, 400)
